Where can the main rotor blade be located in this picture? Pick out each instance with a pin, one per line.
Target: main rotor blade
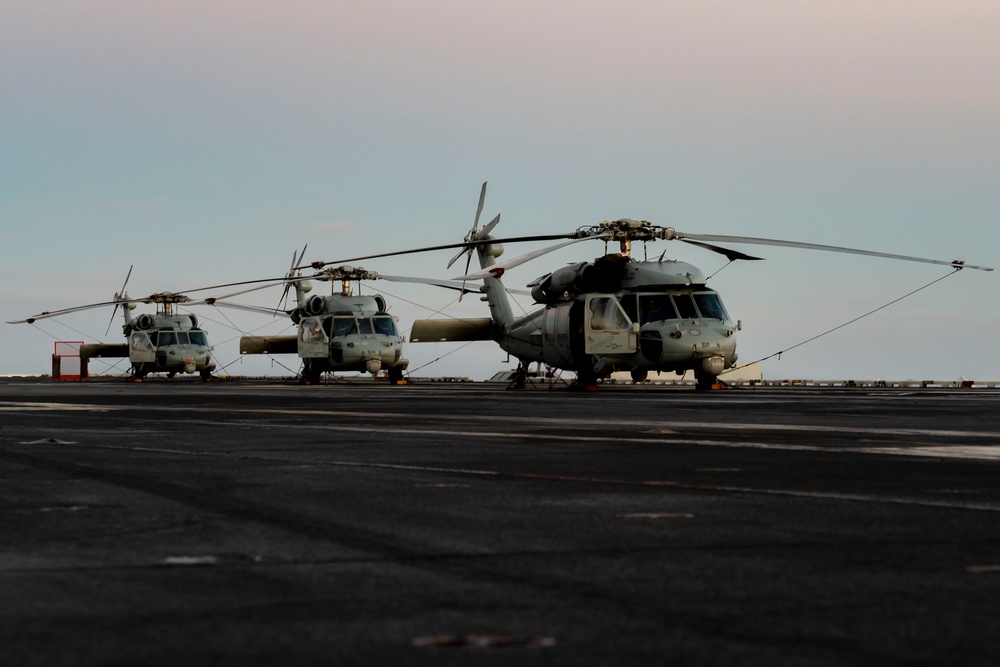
(65, 311)
(274, 312)
(113, 313)
(448, 246)
(211, 301)
(499, 268)
(448, 284)
(730, 254)
(958, 264)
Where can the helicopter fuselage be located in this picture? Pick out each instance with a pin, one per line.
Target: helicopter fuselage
(349, 333)
(597, 333)
(619, 314)
(168, 344)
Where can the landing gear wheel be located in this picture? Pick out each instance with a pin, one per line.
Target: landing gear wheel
(705, 381)
(639, 375)
(171, 374)
(139, 371)
(206, 375)
(396, 375)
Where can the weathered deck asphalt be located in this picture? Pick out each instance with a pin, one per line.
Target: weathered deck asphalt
(175, 523)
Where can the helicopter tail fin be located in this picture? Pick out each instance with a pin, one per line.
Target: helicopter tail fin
(495, 293)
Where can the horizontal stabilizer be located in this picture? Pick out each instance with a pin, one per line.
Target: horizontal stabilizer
(437, 331)
(269, 345)
(95, 350)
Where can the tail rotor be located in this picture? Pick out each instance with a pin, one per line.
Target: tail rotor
(475, 234)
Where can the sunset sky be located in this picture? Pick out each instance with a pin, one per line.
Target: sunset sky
(206, 142)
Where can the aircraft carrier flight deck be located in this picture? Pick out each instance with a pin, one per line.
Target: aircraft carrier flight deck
(234, 523)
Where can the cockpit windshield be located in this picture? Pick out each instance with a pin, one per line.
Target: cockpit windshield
(711, 306)
(656, 308)
(677, 305)
(343, 326)
(384, 324)
(198, 338)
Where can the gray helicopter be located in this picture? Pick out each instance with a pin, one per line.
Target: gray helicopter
(163, 342)
(342, 332)
(614, 313)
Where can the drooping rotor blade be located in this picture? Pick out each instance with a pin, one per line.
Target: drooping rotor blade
(64, 311)
(274, 312)
(958, 264)
(447, 284)
(448, 246)
(730, 254)
(212, 300)
(499, 268)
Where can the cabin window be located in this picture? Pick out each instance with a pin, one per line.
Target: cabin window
(656, 308)
(711, 306)
(384, 324)
(141, 341)
(310, 331)
(343, 326)
(198, 338)
(685, 307)
(607, 315)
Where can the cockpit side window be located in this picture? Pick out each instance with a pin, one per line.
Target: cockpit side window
(656, 308)
(685, 307)
(384, 324)
(711, 306)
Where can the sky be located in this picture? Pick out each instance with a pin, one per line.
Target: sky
(204, 143)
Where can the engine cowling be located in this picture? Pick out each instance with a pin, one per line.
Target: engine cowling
(569, 280)
(316, 305)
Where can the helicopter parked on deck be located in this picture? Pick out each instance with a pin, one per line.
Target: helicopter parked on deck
(162, 342)
(614, 313)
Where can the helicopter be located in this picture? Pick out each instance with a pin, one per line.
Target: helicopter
(340, 332)
(163, 342)
(614, 313)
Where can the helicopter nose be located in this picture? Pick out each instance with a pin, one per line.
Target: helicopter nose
(713, 365)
